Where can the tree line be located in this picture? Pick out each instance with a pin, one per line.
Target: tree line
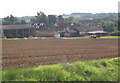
(110, 22)
(10, 20)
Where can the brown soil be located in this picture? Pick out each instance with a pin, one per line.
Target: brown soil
(31, 52)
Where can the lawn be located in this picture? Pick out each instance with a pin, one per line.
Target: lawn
(95, 70)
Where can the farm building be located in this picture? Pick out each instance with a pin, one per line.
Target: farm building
(21, 31)
(69, 33)
(66, 29)
(63, 29)
(98, 33)
(17, 31)
(72, 30)
(84, 30)
(46, 33)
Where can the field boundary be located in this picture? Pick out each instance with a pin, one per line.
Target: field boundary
(87, 37)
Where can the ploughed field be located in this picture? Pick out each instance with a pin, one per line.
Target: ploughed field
(35, 52)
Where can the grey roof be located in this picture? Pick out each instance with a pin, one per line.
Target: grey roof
(4, 27)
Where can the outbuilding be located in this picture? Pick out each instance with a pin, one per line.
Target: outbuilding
(98, 33)
(17, 31)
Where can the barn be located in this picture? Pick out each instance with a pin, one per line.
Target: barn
(17, 31)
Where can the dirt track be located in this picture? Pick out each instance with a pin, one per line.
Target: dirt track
(30, 53)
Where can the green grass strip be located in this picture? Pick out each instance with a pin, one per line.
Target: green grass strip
(110, 37)
(86, 37)
(95, 70)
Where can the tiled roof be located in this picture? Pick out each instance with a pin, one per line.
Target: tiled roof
(62, 24)
(46, 33)
(87, 29)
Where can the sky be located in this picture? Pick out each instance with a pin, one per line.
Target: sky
(21, 8)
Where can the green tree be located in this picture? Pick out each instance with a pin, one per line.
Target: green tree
(70, 19)
(33, 20)
(41, 18)
(52, 19)
(108, 26)
(22, 22)
(60, 18)
(10, 20)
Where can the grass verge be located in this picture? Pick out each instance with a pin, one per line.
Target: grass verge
(86, 37)
(110, 37)
(96, 70)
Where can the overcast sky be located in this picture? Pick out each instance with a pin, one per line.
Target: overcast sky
(31, 7)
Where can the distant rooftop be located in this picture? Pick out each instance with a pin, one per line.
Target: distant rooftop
(16, 26)
(93, 32)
